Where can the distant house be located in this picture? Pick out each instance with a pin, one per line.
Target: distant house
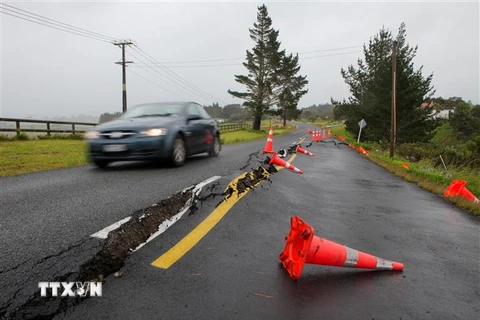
(437, 114)
(444, 114)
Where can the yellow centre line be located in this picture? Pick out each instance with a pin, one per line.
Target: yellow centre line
(167, 259)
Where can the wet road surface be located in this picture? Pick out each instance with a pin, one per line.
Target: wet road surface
(234, 271)
(46, 218)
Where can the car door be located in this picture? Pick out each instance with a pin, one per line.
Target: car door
(195, 129)
(210, 129)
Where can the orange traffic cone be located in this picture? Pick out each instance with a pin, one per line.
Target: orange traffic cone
(308, 153)
(324, 134)
(302, 246)
(405, 165)
(329, 133)
(269, 144)
(351, 145)
(280, 162)
(457, 188)
(361, 150)
(341, 138)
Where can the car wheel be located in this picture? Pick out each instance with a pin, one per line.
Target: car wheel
(215, 151)
(101, 163)
(179, 153)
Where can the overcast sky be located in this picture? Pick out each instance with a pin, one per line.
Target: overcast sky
(47, 72)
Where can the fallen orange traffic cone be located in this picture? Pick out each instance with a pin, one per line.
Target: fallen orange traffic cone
(269, 144)
(361, 150)
(405, 165)
(457, 188)
(341, 138)
(309, 131)
(302, 246)
(301, 150)
(275, 160)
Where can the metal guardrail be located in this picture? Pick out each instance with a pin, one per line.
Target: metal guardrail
(74, 129)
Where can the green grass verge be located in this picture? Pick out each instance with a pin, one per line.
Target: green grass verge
(19, 156)
(422, 173)
(250, 135)
(39, 155)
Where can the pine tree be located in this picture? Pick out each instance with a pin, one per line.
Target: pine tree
(290, 88)
(371, 88)
(262, 64)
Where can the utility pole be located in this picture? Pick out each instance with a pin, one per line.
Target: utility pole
(393, 129)
(122, 44)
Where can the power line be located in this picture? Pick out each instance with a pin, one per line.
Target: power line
(194, 66)
(58, 22)
(170, 81)
(239, 64)
(51, 23)
(155, 84)
(234, 59)
(192, 87)
(184, 82)
(162, 77)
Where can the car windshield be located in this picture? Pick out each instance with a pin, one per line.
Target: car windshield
(153, 110)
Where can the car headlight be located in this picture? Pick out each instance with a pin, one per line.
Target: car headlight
(154, 132)
(92, 135)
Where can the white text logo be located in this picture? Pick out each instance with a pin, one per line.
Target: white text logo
(70, 289)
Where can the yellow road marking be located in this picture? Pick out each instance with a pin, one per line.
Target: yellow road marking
(167, 259)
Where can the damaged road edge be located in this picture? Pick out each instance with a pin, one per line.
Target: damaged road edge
(118, 242)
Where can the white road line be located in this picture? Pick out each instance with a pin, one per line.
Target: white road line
(103, 234)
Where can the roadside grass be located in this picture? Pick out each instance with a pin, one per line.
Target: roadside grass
(38, 155)
(26, 155)
(423, 173)
(251, 135)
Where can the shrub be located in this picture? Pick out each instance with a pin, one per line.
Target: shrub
(418, 150)
(22, 136)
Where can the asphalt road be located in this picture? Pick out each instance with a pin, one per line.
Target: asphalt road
(45, 215)
(234, 271)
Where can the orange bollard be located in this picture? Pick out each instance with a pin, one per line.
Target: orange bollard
(302, 246)
(457, 188)
(269, 144)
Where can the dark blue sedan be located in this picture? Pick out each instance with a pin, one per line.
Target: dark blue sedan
(167, 131)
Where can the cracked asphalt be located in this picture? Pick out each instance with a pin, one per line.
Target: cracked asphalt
(234, 271)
